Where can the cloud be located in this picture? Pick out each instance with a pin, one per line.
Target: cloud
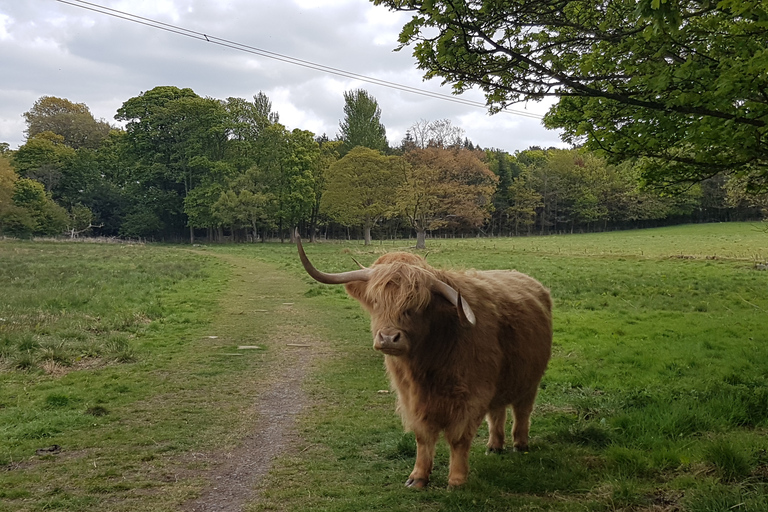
(51, 48)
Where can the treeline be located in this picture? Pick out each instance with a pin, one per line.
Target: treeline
(188, 167)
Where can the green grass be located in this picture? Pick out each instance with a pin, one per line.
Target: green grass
(147, 390)
(657, 394)
(78, 308)
(88, 333)
(656, 397)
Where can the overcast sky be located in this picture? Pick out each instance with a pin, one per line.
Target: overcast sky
(48, 48)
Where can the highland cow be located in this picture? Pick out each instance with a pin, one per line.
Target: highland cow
(458, 346)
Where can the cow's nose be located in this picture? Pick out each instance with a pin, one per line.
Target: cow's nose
(392, 342)
(390, 338)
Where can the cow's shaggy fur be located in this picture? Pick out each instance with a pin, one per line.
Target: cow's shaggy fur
(448, 373)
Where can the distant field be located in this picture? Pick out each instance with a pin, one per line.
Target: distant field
(656, 398)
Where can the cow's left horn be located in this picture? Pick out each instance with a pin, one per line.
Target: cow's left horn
(454, 297)
(322, 277)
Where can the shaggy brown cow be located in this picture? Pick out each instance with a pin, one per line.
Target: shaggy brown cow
(458, 347)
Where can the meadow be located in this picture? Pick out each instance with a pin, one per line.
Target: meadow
(656, 397)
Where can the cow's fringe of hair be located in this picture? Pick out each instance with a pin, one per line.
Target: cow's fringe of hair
(400, 286)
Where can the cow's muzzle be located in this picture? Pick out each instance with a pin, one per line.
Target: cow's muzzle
(391, 342)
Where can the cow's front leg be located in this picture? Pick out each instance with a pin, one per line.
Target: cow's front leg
(460, 439)
(459, 465)
(426, 439)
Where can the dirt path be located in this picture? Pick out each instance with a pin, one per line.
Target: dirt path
(236, 475)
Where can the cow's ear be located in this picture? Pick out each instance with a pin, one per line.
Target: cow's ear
(356, 290)
(466, 316)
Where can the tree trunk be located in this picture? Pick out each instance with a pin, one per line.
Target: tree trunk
(421, 238)
(191, 235)
(367, 234)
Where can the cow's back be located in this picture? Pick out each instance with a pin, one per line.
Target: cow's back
(521, 309)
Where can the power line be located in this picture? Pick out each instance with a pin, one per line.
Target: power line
(100, 9)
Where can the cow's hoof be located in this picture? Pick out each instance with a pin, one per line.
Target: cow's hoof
(417, 483)
(523, 449)
(492, 451)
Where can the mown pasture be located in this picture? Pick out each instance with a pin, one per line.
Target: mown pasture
(656, 397)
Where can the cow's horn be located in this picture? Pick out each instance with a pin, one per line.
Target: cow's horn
(322, 277)
(454, 297)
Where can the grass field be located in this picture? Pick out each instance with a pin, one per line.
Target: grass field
(656, 397)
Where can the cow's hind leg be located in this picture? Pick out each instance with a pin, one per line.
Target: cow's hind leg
(497, 419)
(521, 411)
(426, 439)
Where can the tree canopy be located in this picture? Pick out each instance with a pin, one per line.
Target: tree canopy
(228, 170)
(73, 121)
(361, 125)
(360, 188)
(678, 84)
(444, 188)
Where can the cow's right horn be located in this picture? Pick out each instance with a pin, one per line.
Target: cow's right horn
(322, 277)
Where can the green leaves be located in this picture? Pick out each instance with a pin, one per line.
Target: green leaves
(362, 122)
(679, 83)
(360, 187)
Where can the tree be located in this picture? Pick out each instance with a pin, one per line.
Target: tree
(244, 204)
(525, 201)
(362, 122)
(247, 120)
(329, 153)
(505, 166)
(46, 217)
(287, 161)
(80, 220)
(360, 188)
(679, 84)
(444, 188)
(73, 121)
(440, 133)
(45, 158)
(240, 210)
(736, 197)
(176, 139)
(199, 205)
(13, 220)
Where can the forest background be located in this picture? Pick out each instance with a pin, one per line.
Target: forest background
(191, 168)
